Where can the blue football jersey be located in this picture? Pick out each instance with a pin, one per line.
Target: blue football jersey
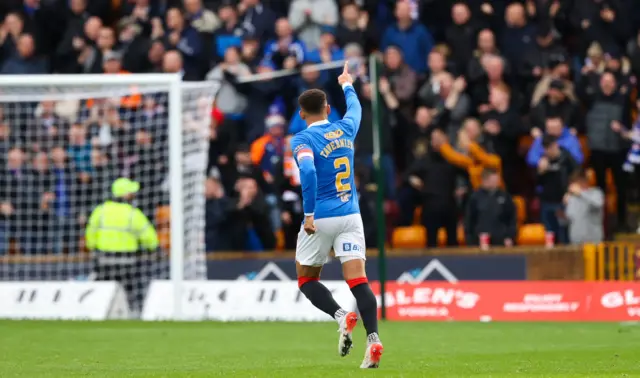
(324, 152)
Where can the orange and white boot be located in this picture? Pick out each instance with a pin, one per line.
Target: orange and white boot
(372, 355)
(347, 324)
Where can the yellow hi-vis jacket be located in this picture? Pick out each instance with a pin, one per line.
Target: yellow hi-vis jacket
(116, 227)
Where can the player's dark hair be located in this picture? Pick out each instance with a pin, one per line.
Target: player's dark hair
(313, 101)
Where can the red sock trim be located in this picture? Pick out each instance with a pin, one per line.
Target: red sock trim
(357, 281)
(304, 280)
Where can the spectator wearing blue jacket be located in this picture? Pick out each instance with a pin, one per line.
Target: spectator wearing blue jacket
(285, 51)
(566, 140)
(414, 39)
(184, 38)
(230, 34)
(328, 50)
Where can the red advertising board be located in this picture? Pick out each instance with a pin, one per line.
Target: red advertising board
(513, 301)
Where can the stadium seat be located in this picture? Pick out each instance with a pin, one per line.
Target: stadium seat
(611, 186)
(409, 237)
(442, 236)
(82, 245)
(163, 216)
(584, 146)
(462, 240)
(164, 237)
(521, 209)
(531, 234)
(591, 175)
(417, 216)
(524, 143)
(611, 203)
(13, 247)
(280, 240)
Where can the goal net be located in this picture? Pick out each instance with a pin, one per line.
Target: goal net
(64, 140)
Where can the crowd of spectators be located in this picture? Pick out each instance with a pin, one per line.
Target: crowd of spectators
(464, 85)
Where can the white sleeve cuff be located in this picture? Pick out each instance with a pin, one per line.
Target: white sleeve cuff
(305, 154)
(308, 214)
(345, 85)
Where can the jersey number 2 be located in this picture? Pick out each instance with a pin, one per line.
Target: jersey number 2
(341, 186)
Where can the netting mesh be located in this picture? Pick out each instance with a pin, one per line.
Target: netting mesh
(62, 147)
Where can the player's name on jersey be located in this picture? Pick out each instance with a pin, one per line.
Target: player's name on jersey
(334, 145)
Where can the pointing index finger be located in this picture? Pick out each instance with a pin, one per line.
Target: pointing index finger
(346, 67)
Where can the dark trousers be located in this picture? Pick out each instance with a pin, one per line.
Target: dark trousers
(434, 219)
(493, 241)
(292, 229)
(601, 161)
(134, 278)
(408, 200)
(66, 234)
(549, 215)
(31, 241)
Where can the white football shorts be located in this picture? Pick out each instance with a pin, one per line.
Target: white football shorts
(344, 234)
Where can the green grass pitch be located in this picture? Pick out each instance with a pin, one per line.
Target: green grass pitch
(136, 349)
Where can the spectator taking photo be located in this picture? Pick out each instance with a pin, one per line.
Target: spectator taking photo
(584, 210)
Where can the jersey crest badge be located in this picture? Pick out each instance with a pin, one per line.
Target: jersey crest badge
(344, 197)
(334, 134)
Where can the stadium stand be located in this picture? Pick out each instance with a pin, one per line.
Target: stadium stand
(466, 86)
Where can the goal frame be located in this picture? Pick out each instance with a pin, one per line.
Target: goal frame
(173, 82)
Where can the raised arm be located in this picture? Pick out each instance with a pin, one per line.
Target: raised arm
(303, 154)
(593, 198)
(354, 110)
(483, 157)
(454, 157)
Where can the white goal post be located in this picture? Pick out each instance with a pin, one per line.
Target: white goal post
(187, 103)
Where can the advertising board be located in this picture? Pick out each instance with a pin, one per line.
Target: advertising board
(513, 301)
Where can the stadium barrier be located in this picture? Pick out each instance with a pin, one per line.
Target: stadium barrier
(615, 261)
(401, 267)
(64, 300)
(513, 301)
(517, 263)
(241, 301)
(498, 263)
(261, 286)
(282, 301)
